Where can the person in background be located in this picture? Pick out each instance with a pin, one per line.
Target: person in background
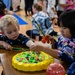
(41, 23)
(10, 33)
(7, 3)
(61, 6)
(4, 10)
(15, 5)
(28, 7)
(71, 6)
(65, 46)
(52, 11)
(35, 1)
(43, 3)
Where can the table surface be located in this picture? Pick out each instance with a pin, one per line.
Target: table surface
(6, 59)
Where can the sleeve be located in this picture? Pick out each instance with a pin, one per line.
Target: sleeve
(65, 50)
(35, 27)
(29, 43)
(53, 3)
(65, 57)
(23, 39)
(47, 22)
(1, 38)
(62, 1)
(34, 24)
(71, 69)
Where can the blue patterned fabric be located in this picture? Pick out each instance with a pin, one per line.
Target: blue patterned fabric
(21, 40)
(66, 49)
(44, 22)
(71, 69)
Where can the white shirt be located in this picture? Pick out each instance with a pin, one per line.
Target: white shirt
(61, 2)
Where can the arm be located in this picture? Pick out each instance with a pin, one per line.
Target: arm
(52, 52)
(6, 45)
(65, 5)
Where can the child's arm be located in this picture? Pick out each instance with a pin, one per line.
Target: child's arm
(8, 12)
(38, 48)
(54, 53)
(6, 45)
(53, 41)
(30, 43)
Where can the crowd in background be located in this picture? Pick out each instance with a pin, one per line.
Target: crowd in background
(52, 7)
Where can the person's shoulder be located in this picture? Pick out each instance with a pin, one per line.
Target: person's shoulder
(21, 35)
(61, 37)
(43, 14)
(35, 15)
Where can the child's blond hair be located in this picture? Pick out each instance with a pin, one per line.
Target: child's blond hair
(7, 20)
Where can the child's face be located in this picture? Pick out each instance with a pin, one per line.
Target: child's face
(65, 32)
(34, 10)
(11, 31)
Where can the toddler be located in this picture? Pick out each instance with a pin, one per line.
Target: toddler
(10, 33)
(65, 46)
(40, 22)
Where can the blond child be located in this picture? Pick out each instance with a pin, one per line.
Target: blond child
(10, 33)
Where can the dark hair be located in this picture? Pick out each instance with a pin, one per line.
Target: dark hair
(67, 19)
(38, 7)
(2, 7)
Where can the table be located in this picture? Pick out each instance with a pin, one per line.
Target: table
(6, 59)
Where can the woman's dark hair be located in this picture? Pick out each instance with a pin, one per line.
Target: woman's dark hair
(67, 19)
(2, 7)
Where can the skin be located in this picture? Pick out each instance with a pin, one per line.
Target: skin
(53, 52)
(34, 10)
(8, 12)
(12, 32)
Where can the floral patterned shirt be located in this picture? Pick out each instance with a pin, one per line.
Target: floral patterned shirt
(67, 46)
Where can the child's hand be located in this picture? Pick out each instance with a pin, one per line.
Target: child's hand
(51, 38)
(36, 48)
(7, 46)
(45, 39)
